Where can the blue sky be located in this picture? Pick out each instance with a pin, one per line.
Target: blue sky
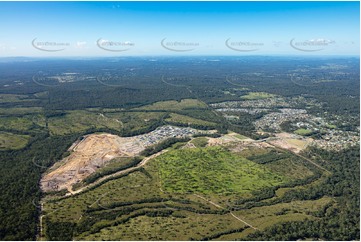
(186, 28)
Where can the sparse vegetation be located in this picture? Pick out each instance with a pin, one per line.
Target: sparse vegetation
(257, 95)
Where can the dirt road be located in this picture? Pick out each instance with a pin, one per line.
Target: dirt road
(232, 214)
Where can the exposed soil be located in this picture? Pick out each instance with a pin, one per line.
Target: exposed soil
(91, 153)
(292, 142)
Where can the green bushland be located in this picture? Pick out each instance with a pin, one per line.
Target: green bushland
(15, 123)
(257, 95)
(135, 122)
(9, 141)
(212, 170)
(118, 164)
(162, 145)
(340, 222)
(182, 120)
(80, 121)
(20, 111)
(271, 156)
(200, 142)
(175, 105)
(304, 132)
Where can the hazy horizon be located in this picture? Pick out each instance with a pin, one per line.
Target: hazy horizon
(100, 29)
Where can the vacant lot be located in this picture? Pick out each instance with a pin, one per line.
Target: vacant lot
(292, 142)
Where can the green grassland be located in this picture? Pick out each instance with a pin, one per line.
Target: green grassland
(13, 98)
(134, 121)
(9, 141)
(212, 170)
(20, 111)
(257, 95)
(180, 226)
(175, 105)
(279, 162)
(125, 121)
(182, 119)
(303, 131)
(263, 217)
(200, 141)
(80, 121)
(15, 123)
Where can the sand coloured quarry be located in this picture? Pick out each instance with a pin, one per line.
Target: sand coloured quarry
(91, 153)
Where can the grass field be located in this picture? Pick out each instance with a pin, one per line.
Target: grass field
(239, 136)
(303, 131)
(20, 111)
(136, 120)
(10, 98)
(15, 123)
(261, 217)
(287, 165)
(212, 170)
(79, 120)
(175, 105)
(181, 226)
(200, 142)
(257, 95)
(331, 126)
(12, 141)
(182, 119)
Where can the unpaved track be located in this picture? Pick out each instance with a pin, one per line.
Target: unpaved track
(301, 156)
(314, 163)
(219, 206)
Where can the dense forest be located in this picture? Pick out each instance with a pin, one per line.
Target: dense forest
(341, 222)
(20, 174)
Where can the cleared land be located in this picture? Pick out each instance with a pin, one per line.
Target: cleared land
(290, 142)
(175, 105)
(9, 141)
(212, 170)
(257, 95)
(79, 120)
(303, 131)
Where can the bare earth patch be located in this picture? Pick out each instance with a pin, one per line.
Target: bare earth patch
(93, 152)
(228, 138)
(292, 142)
